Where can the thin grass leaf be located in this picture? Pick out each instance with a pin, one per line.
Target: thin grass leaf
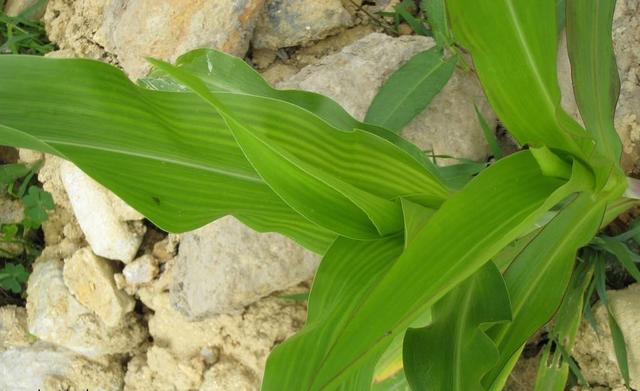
(410, 89)
(437, 18)
(489, 135)
(619, 347)
(623, 255)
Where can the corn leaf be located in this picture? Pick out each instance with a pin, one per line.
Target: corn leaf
(538, 277)
(472, 226)
(513, 44)
(453, 352)
(553, 370)
(594, 71)
(410, 89)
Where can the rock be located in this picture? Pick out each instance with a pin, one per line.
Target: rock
(167, 248)
(13, 327)
(55, 316)
(72, 25)
(110, 226)
(228, 374)
(16, 7)
(11, 211)
(225, 266)
(90, 280)
(141, 271)
(246, 337)
(354, 76)
(184, 375)
(626, 40)
(166, 28)
(28, 364)
(596, 355)
(42, 366)
(285, 23)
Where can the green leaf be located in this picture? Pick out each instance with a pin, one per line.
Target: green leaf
(594, 71)
(397, 382)
(553, 370)
(224, 73)
(620, 347)
(489, 135)
(342, 191)
(169, 155)
(9, 173)
(12, 277)
(37, 203)
(453, 352)
(410, 89)
(538, 277)
(623, 255)
(496, 207)
(519, 74)
(437, 17)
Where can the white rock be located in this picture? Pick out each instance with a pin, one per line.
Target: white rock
(595, 354)
(55, 316)
(225, 266)
(28, 364)
(90, 280)
(11, 211)
(107, 222)
(298, 22)
(13, 327)
(141, 271)
(449, 126)
(43, 366)
(167, 28)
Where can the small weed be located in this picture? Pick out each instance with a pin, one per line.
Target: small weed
(21, 35)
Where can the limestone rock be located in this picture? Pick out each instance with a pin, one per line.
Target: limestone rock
(246, 337)
(165, 29)
(626, 42)
(15, 7)
(141, 271)
(167, 248)
(225, 266)
(72, 25)
(42, 366)
(55, 316)
(596, 355)
(28, 364)
(11, 211)
(449, 126)
(184, 375)
(285, 23)
(90, 280)
(228, 374)
(13, 327)
(110, 226)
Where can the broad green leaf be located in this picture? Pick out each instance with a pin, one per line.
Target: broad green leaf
(410, 89)
(537, 279)
(553, 370)
(224, 73)
(397, 382)
(332, 186)
(453, 352)
(497, 206)
(169, 155)
(513, 44)
(437, 17)
(594, 71)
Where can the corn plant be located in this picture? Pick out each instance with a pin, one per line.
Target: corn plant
(445, 278)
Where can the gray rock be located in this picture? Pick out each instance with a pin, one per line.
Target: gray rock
(225, 266)
(55, 316)
(595, 354)
(165, 29)
(449, 125)
(285, 23)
